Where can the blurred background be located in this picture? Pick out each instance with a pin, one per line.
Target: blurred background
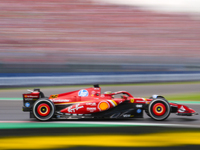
(94, 36)
(67, 42)
(76, 36)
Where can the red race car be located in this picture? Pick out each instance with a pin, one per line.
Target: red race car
(90, 103)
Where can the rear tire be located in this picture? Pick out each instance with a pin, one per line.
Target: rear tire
(43, 109)
(159, 109)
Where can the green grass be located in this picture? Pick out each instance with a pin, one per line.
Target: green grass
(102, 85)
(184, 97)
(177, 97)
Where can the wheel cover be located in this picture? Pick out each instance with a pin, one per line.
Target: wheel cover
(43, 109)
(159, 109)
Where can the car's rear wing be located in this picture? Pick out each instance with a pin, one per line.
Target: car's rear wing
(30, 98)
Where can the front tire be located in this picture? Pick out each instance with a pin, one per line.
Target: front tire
(43, 109)
(159, 109)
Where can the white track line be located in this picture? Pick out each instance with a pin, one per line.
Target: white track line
(110, 123)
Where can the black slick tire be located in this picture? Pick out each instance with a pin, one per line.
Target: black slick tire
(159, 109)
(43, 109)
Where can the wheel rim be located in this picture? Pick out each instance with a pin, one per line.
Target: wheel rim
(43, 110)
(159, 109)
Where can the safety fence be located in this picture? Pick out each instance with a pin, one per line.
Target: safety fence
(97, 78)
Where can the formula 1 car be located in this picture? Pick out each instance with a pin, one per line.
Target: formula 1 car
(90, 103)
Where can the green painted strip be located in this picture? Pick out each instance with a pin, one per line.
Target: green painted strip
(25, 125)
(55, 125)
(185, 102)
(102, 85)
(11, 98)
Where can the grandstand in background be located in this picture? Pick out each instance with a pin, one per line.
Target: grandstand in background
(80, 34)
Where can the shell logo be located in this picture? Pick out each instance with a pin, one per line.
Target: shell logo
(103, 106)
(54, 96)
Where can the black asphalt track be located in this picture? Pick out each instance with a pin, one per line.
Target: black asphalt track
(11, 110)
(135, 90)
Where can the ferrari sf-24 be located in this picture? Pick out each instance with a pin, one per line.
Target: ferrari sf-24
(91, 103)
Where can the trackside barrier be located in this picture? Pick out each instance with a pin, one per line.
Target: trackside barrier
(91, 79)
